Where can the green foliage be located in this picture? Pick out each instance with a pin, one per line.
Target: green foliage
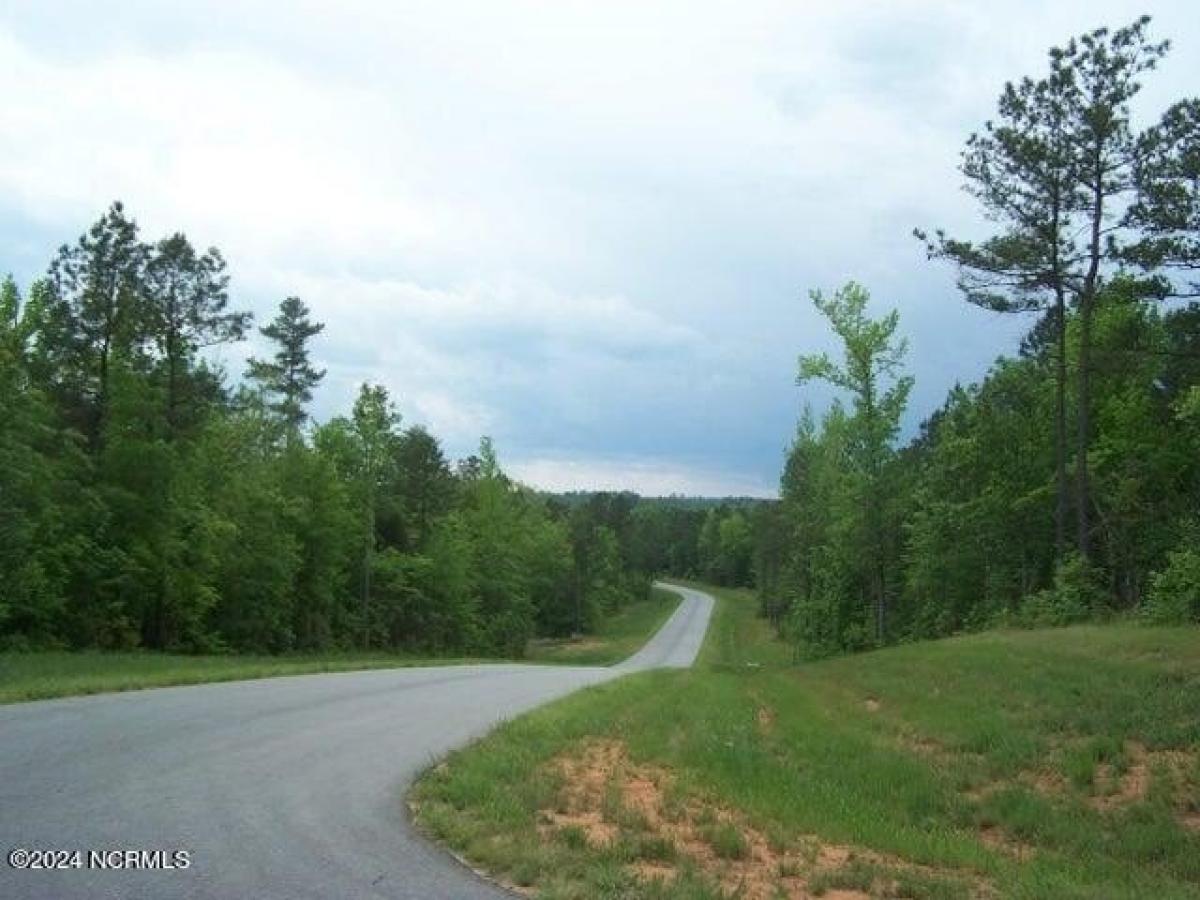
(289, 378)
(967, 524)
(420, 491)
(1167, 211)
(930, 762)
(49, 515)
(872, 353)
(666, 537)
(616, 637)
(192, 293)
(727, 841)
(97, 312)
(61, 673)
(141, 505)
(840, 484)
(725, 547)
(1174, 597)
(1079, 196)
(1076, 596)
(968, 533)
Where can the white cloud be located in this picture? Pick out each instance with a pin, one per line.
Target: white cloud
(578, 226)
(457, 358)
(445, 415)
(237, 147)
(518, 308)
(650, 478)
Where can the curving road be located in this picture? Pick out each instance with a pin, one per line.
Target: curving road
(281, 788)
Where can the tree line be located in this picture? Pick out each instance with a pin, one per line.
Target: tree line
(699, 538)
(145, 501)
(1065, 485)
(707, 540)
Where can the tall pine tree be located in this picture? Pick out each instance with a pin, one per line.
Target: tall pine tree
(289, 378)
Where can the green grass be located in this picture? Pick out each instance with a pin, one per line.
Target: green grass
(41, 675)
(46, 674)
(618, 636)
(950, 768)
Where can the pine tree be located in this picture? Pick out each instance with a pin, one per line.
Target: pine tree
(1167, 210)
(96, 316)
(187, 296)
(1099, 73)
(289, 377)
(1022, 171)
(1058, 173)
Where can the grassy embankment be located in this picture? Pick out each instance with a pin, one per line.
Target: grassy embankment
(41, 675)
(1061, 763)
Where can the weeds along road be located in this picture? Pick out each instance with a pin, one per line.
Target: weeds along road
(280, 788)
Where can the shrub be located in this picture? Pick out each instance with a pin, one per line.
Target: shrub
(1076, 596)
(1174, 596)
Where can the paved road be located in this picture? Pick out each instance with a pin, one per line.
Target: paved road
(282, 788)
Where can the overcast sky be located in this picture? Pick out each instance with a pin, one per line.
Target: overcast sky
(586, 229)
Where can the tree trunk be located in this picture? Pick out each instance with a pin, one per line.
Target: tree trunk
(1060, 430)
(100, 414)
(1061, 482)
(368, 553)
(172, 387)
(1083, 418)
(1084, 428)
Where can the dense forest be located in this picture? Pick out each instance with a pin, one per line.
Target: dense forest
(146, 501)
(1066, 484)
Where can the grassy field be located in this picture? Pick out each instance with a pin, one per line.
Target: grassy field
(38, 676)
(617, 637)
(1053, 764)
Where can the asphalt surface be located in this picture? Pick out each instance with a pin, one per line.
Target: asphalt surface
(280, 788)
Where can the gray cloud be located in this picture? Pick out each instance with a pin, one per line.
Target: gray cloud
(587, 229)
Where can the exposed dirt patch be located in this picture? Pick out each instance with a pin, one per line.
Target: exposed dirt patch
(646, 870)
(872, 704)
(1181, 762)
(1117, 791)
(766, 719)
(832, 856)
(1045, 782)
(634, 809)
(1181, 768)
(925, 747)
(994, 838)
(585, 779)
(595, 830)
(1112, 789)
(982, 792)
